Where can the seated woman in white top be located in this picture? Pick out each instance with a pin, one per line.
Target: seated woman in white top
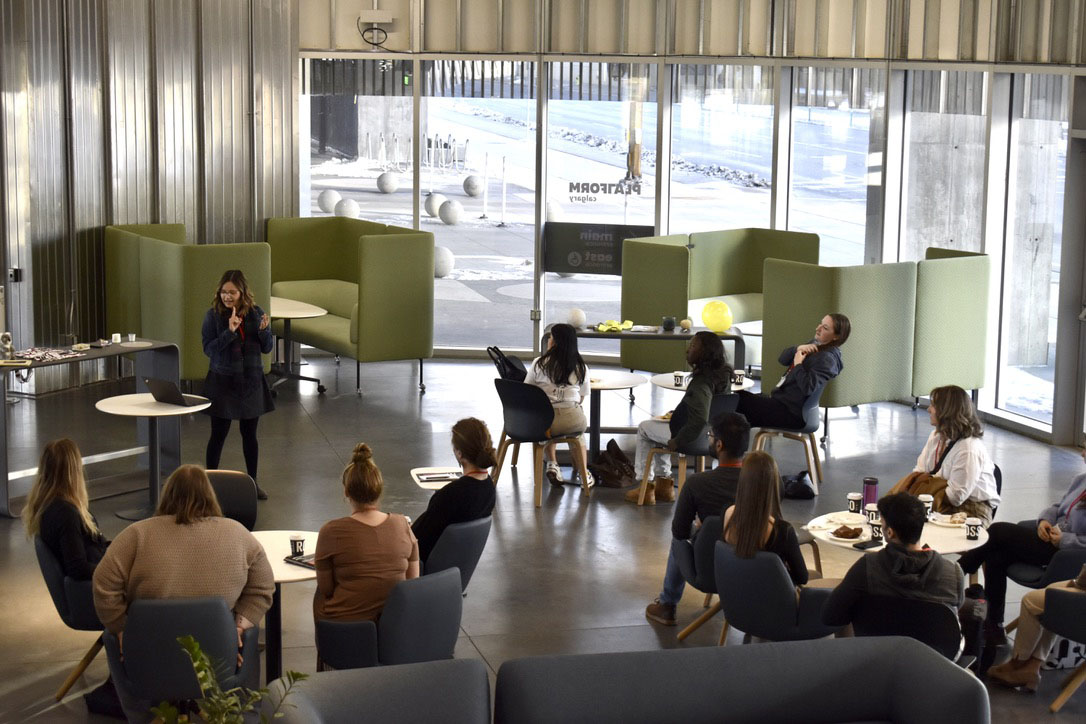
(563, 375)
(955, 452)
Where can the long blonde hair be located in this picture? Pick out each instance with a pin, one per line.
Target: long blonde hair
(60, 477)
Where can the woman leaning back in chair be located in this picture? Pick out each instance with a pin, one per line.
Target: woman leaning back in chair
(755, 524)
(710, 374)
(361, 557)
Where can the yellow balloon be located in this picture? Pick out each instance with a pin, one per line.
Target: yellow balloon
(717, 316)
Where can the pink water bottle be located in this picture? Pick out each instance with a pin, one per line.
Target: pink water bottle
(871, 491)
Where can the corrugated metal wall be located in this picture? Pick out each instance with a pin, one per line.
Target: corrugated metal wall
(135, 111)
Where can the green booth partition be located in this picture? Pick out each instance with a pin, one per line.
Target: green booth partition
(122, 268)
(678, 275)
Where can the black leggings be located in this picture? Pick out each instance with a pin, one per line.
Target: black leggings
(1007, 543)
(764, 411)
(220, 428)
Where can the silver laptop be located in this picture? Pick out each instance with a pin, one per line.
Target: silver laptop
(168, 392)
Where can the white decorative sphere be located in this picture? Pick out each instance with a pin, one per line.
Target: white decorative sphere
(576, 317)
(433, 204)
(450, 212)
(555, 212)
(388, 182)
(348, 208)
(473, 186)
(327, 200)
(444, 261)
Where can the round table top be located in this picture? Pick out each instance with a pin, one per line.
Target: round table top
(599, 380)
(276, 545)
(143, 404)
(939, 538)
(440, 476)
(667, 381)
(283, 308)
(750, 329)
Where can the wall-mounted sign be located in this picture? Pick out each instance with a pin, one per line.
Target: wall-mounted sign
(572, 248)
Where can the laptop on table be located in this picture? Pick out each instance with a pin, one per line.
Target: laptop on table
(168, 392)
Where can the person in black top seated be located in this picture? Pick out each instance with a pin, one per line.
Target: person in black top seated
(57, 509)
(902, 568)
(704, 494)
(809, 365)
(468, 498)
(755, 524)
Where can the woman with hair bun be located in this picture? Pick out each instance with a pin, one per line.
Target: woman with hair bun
(467, 498)
(360, 558)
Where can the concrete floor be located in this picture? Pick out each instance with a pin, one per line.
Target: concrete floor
(571, 577)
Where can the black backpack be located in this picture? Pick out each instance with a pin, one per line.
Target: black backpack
(509, 367)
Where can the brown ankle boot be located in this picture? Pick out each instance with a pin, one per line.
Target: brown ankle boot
(635, 492)
(664, 489)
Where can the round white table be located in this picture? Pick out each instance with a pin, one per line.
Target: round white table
(143, 404)
(666, 380)
(288, 309)
(276, 544)
(435, 478)
(941, 539)
(600, 380)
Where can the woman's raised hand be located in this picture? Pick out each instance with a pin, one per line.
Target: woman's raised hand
(235, 320)
(264, 322)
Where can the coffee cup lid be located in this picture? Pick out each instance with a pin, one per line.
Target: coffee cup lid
(972, 521)
(297, 537)
(855, 496)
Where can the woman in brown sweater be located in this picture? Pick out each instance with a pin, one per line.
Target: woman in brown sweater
(186, 550)
(361, 557)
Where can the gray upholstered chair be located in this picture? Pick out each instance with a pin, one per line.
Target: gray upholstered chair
(155, 668)
(928, 622)
(236, 492)
(805, 435)
(74, 601)
(432, 691)
(870, 680)
(420, 622)
(1064, 566)
(758, 598)
(1065, 615)
(460, 546)
(695, 561)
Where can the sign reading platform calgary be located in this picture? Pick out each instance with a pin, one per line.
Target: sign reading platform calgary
(572, 248)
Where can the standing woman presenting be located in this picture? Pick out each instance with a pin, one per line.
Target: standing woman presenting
(235, 335)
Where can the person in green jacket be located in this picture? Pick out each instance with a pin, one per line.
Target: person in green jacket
(711, 374)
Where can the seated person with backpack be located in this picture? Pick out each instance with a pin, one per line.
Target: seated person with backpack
(704, 494)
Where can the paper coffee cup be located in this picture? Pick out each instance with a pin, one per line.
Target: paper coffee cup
(297, 545)
(116, 337)
(872, 512)
(680, 377)
(972, 528)
(928, 502)
(855, 502)
(738, 377)
(876, 529)
(131, 336)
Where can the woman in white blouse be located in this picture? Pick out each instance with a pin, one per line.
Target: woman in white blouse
(955, 452)
(561, 372)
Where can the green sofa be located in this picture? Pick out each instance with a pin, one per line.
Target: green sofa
(376, 281)
(678, 275)
(160, 287)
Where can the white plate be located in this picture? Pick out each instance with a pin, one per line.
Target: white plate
(846, 518)
(945, 523)
(865, 536)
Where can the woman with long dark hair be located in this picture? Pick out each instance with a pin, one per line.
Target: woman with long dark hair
(754, 523)
(809, 366)
(561, 372)
(235, 335)
(710, 374)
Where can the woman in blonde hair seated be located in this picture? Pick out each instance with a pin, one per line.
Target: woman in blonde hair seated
(361, 557)
(467, 498)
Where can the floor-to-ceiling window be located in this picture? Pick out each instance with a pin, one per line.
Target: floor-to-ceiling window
(478, 191)
(838, 145)
(721, 147)
(1031, 272)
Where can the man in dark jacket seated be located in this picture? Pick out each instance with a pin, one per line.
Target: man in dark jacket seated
(902, 568)
(704, 494)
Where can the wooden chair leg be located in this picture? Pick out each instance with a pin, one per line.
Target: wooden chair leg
(79, 668)
(645, 478)
(516, 453)
(817, 557)
(817, 462)
(760, 439)
(682, 472)
(576, 449)
(502, 447)
(723, 634)
(1073, 682)
(699, 621)
(699, 464)
(1011, 626)
(537, 454)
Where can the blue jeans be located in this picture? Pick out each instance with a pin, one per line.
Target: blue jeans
(674, 583)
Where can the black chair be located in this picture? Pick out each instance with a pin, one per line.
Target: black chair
(758, 598)
(805, 435)
(236, 492)
(926, 621)
(695, 561)
(460, 546)
(1065, 615)
(528, 417)
(1064, 566)
(420, 622)
(156, 668)
(699, 449)
(74, 601)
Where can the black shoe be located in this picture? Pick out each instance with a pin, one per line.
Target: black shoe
(995, 635)
(104, 701)
(260, 494)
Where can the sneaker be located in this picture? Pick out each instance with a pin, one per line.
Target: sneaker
(590, 482)
(661, 612)
(554, 474)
